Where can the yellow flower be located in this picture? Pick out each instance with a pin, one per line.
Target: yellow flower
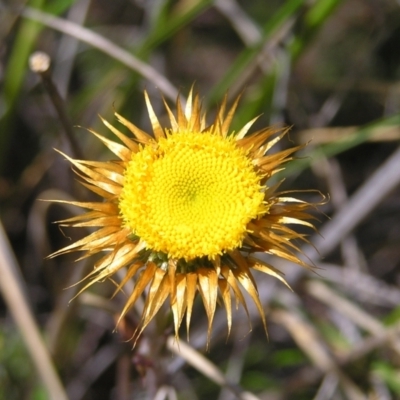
(187, 210)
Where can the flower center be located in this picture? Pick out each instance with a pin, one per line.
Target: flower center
(190, 195)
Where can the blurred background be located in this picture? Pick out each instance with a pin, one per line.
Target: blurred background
(330, 69)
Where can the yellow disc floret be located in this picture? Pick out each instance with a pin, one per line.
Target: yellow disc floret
(190, 195)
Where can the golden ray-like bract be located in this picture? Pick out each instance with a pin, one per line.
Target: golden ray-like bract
(184, 210)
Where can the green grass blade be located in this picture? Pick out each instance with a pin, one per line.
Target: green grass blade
(18, 64)
(335, 148)
(284, 13)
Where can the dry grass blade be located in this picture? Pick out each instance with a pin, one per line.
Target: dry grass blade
(333, 135)
(167, 393)
(248, 31)
(65, 57)
(91, 370)
(307, 339)
(361, 285)
(326, 295)
(206, 367)
(197, 360)
(105, 45)
(236, 362)
(371, 343)
(357, 351)
(346, 307)
(331, 172)
(367, 197)
(17, 304)
(327, 388)
(263, 60)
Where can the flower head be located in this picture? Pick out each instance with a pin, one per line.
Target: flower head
(186, 210)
